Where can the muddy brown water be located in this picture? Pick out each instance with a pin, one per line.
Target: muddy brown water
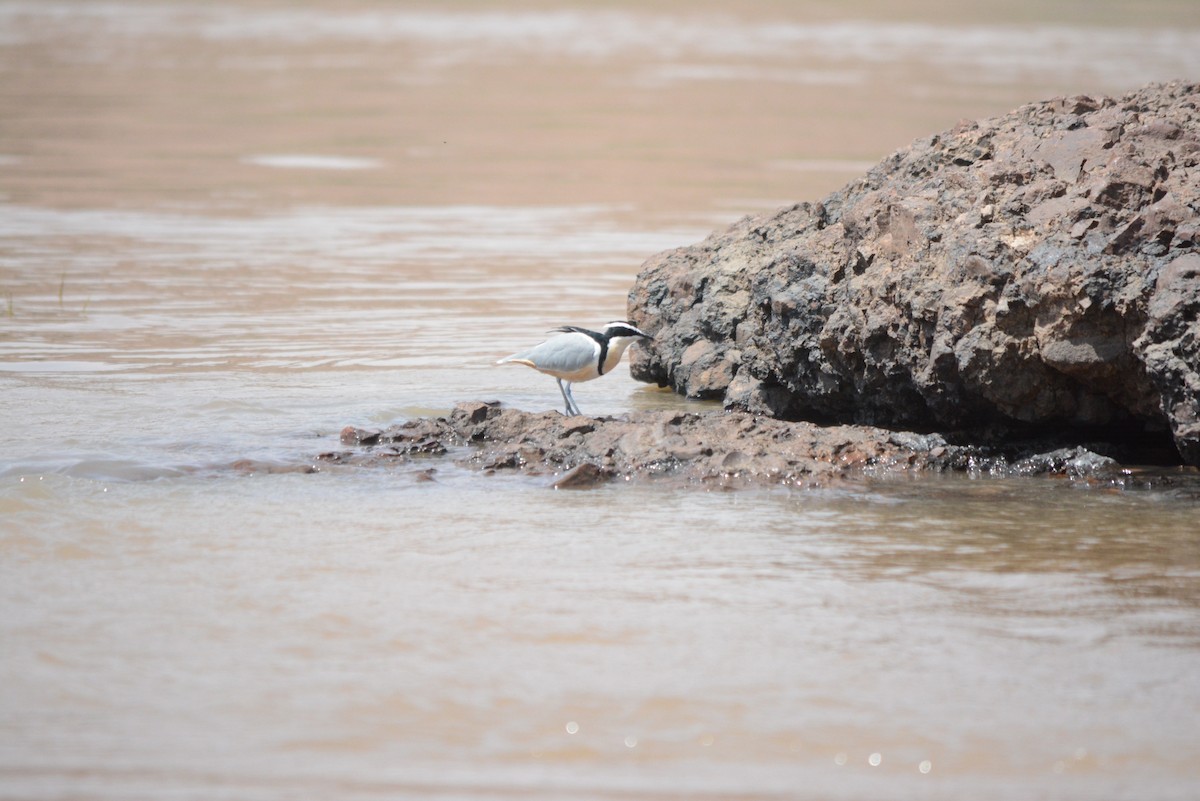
(226, 231)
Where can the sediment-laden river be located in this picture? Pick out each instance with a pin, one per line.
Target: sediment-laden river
(227, 231)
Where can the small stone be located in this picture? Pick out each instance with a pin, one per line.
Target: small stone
(357, 436)
(578, 425)
(476, 411)
(583, 476)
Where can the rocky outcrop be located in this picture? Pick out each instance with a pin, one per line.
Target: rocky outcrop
(1039, 269)
(714, 449)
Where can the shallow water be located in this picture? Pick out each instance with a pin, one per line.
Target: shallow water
(362, 635)
(227, 231)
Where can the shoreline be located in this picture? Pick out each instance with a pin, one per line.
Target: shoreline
(712, 449)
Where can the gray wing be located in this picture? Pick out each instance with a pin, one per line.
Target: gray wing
(562, 354)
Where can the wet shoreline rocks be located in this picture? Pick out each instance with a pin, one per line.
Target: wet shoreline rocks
(707, 449)
(1034, 272)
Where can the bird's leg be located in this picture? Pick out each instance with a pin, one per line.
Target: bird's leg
(571, 399)
(566, 396)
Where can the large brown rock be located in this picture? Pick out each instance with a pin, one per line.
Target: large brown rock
(1038, 269)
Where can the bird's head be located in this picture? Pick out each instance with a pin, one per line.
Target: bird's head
(624, 331)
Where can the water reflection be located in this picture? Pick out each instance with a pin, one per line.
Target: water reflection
(299, 161)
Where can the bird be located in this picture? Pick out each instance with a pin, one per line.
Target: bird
(579, 354)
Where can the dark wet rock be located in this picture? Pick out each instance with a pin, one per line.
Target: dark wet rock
(1036, 271)
(399, 442)
(1075, 462)
(1170, 347)
(715, 448)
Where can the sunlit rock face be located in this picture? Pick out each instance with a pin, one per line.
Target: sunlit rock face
(1038, 269)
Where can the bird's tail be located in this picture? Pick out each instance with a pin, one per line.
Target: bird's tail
(516, 358)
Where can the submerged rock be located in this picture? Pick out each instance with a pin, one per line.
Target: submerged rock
(716, 448)
(1039, 269)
